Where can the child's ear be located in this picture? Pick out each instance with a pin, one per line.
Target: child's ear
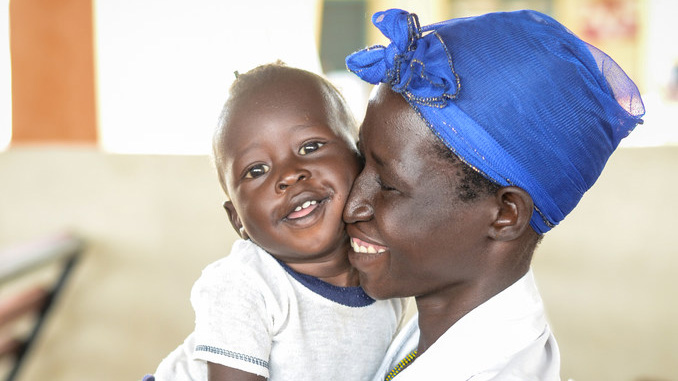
(514, 212)
(235, 219)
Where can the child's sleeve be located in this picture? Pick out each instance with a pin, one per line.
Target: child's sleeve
(234, 310)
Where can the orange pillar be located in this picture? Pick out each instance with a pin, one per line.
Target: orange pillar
(52, 53)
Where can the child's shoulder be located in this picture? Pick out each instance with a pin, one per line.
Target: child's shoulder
(245, 259)
(247, 273)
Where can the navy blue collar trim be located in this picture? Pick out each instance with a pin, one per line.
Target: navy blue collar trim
(348, 296)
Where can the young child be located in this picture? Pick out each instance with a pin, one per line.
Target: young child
(286, 303)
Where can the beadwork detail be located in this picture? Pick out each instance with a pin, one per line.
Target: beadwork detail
(401, 365)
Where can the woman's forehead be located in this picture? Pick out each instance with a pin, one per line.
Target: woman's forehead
(389, 118)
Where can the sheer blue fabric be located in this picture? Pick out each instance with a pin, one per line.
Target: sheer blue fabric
(515, 95)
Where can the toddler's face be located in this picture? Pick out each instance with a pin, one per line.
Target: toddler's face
(287, 171)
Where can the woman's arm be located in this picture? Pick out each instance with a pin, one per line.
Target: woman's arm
(218, 372)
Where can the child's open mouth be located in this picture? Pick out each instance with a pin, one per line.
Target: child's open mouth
(303, 210)
(302, 213)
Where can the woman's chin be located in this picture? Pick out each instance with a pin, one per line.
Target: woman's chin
(375, 291)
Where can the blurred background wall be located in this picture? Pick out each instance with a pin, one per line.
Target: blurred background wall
(107, 110)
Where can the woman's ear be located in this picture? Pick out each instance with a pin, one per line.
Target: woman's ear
(235, 220)
(514, 212)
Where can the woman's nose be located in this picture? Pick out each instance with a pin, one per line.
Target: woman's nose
(291, 177)
(358, 206)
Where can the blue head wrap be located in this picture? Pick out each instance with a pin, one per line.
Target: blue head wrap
(515, 95)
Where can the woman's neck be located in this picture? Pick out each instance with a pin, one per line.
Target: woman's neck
(440, 311)
(434, 320)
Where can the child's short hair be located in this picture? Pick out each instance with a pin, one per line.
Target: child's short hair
(264, 74)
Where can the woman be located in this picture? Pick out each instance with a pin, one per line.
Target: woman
(483, 135)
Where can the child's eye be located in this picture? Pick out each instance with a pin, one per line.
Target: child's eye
(310, 147)
(256, 170)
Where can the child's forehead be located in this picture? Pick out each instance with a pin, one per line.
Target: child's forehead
(288, 102)
(284, 110)
(286, 107)
(288, 88)
(274, 124)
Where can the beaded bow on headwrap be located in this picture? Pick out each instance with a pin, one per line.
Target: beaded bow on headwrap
(409, 64)
(515, 95)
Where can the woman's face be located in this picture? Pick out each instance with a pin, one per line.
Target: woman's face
(411, 234)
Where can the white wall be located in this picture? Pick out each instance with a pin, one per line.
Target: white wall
(609, 273)
(164, 67)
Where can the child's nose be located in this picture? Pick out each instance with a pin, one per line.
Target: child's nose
(292, 177)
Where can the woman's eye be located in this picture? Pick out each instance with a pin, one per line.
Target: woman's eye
(384, 186)
(256, 171)
(310, 147)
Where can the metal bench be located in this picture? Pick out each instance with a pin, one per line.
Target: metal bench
(32, 301)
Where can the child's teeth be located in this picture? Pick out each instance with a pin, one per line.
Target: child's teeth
(305, 205)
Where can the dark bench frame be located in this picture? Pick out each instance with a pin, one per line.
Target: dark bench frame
(64, 250)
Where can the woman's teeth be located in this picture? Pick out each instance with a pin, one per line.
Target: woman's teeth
(305, 205)
(358, 248)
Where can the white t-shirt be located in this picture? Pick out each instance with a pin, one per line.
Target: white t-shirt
(256, 314)
(507, 338)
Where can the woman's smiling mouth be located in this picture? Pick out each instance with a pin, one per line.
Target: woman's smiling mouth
(360, 246)
(365, 255)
